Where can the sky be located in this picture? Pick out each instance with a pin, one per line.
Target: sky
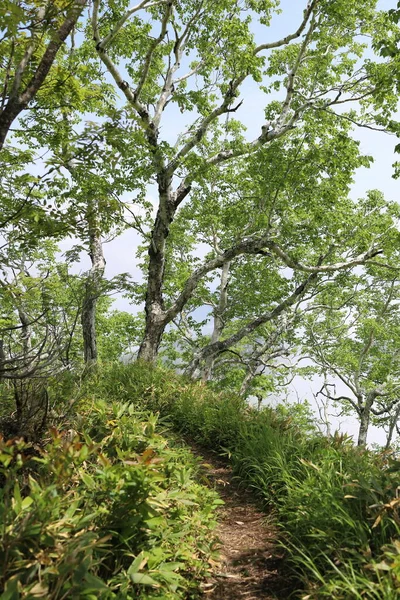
(120, 253)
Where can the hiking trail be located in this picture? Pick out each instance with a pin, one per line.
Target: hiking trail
(250, 566)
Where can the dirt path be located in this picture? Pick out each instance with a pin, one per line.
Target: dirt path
(250, 559)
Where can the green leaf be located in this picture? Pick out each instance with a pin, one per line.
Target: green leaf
(11, 589)
(171, 566)
(17, 500)
(138, 563)
(95, 583)
(26, 502)
(88, 480)
(143, 579)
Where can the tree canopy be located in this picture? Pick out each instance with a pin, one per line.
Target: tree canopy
(129, 119)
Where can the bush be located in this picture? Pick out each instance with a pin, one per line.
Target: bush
(110, 512)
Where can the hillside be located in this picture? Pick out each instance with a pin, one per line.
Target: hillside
(199, 293)
(113, 505)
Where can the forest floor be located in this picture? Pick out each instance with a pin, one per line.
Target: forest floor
(251, 563)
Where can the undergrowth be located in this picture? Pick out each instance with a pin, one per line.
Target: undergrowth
(106, 509)
(337, 506)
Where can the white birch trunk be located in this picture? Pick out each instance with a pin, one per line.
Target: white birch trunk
(219, 324)
(92, 287)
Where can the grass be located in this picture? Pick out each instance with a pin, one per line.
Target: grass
(337, 506)
(113, 510)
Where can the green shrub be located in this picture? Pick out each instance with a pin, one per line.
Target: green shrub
(108, 512)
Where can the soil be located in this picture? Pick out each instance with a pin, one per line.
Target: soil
(251, 563)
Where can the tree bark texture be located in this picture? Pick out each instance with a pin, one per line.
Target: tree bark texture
(156, 317)
(92, 287)
(365, 416)
(392, 426)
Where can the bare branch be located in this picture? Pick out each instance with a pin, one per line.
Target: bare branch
(244, 247)
(144, 69)
(291, 77)
(201, 130)
(287, 39)
(144, 4)
(169, 84)
(361, 259)
(224, 345)
(114, 72)
(189, 74)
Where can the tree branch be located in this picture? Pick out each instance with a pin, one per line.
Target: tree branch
(17, 104)
(114, 72)
(296, 265)
(224, 345)
(144, 69)
(287, 39)
(144, 4)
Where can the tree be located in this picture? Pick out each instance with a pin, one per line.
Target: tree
(296, 193)
(92, 199)
(352, 335)
(246, 232)
(89, 177)
(116, 332)
(37, 324)
(44, 79)
(33, 35)
(321, 72)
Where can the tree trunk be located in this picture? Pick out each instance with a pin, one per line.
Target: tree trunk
(156, 317)
(88, 321)
(218, 319)
(247, 379)
(9, 114)
(19, 101)
(2, 358)
(92, 286)
(363, 430)
(256, 361)
(365, 416)
(25, 334)
(152, 338)
(392, 426)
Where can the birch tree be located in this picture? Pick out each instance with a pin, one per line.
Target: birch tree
(89, 177)
(353, 337)
(32, 35)
(297, 194)
(196, 56)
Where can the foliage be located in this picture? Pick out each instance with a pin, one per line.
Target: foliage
(97, 131)
(117, 333)
(348, 330)
(111, 511)
(337, 506)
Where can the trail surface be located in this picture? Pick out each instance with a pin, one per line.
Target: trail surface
(251, 562)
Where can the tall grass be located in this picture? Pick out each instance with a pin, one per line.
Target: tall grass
(337, 506)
